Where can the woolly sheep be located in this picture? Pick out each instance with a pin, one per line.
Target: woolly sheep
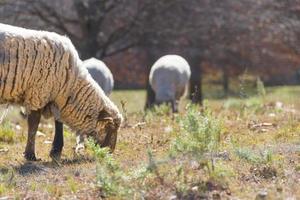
(42, 71)
(100, 73)
(103, 76)
(169, 77)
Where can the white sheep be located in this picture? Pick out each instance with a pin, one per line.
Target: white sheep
(101, 74)
(42, 71)
(169, 78)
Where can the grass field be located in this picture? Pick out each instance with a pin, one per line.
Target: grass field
(233, 148)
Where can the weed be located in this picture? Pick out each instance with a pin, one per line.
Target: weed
(72, 184)
(157, 111)
(33, 186)
(7, 180)
(297, 168)
(264, 157)
(222, 171)
(200, 133)
(54, 190)
(68, 133)
(125, 113)
(3, 189)
(109, 175)
(7, 134)
(260, 88)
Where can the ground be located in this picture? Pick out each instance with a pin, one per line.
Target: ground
(255, 154)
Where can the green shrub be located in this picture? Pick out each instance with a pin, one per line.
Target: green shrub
(110, 178)
(253, 157)
(7, 134)
(199, 132)
(113, 181)
(158, 111)
(260, 88)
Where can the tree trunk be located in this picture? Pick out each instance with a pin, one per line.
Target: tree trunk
(196, 84)
(225, 81)
(150, 96)
(89, 49)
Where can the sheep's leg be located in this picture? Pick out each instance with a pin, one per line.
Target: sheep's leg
(174, 104)
(79, 143)
(58, 141)
(33, 121)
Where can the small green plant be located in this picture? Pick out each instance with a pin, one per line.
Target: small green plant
(158, 111)
(221, 172)
(7, 134)
(115, 182)
(199, 136)
(260, 88)
(3, 189)
(264, 157)
(246, 107)
(297, 168)
(68, 133)
(72, 184)
(7, 180)
(200, 132)
(54, 190)
(33, 186)
(110, 177)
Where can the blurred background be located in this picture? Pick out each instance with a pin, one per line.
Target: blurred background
(226, 42)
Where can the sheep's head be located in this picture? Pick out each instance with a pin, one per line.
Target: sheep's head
(166, 95)
(106, 131)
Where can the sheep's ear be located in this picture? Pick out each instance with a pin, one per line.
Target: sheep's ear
(108, 120)
(104, 116)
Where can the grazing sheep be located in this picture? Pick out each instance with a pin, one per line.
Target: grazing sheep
(100, 73)
(103, 76)
(42, 71)
(169, 77)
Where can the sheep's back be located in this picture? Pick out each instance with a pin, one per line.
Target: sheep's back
(169, 76)
(100, 73)
(34, 65)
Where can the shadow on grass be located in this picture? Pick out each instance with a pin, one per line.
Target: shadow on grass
(77, 160)
(40, 167)
(30, 168)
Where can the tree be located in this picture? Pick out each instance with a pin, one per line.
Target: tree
(98, 28)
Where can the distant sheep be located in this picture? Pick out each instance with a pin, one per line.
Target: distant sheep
(100, 73)
(169, 78)
(42, 71)
(103, 76)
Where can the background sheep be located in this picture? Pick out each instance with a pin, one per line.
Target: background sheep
(169, 78)
(42, 72)
(100, 73)
(103, 76)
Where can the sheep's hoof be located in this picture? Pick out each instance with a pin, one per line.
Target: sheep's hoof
(55, 155)
(79, 149)
(30, 157)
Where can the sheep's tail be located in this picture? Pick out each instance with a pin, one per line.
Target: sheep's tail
(4, 114)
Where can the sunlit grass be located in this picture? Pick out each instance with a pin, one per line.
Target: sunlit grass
(248, 155)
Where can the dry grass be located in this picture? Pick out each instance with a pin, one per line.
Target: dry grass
(259, 150)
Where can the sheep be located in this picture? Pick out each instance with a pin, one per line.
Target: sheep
(100, 73)
(169, 78)
(103, 76)
(42, 71)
